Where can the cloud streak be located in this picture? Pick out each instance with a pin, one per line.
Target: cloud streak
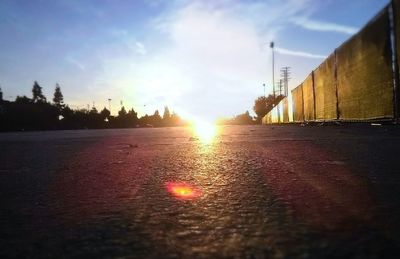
(75, 62)
(314, 25)
(302, 54)
(140, 48)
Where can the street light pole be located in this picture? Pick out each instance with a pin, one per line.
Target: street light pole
(264, 90)
(272, 45)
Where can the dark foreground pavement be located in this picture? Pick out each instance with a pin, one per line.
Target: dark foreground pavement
(255, 192)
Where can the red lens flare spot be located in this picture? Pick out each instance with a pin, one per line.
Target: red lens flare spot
(183, 191)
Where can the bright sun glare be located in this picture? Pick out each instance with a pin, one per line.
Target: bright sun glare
(205, 131)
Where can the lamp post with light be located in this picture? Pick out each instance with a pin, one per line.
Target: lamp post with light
(272, 45)
(264, 90)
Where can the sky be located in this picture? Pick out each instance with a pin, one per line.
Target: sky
(203, 59)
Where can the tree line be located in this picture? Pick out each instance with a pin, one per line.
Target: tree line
(37, 113)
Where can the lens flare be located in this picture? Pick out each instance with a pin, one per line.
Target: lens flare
(183, 191)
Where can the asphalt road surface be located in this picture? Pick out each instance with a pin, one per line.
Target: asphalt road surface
(251, 192)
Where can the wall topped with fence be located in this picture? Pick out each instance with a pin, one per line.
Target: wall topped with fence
(358, 82)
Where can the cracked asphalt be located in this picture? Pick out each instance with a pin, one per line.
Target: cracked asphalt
(254, 192)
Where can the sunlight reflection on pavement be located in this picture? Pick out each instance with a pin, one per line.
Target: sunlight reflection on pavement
(205, 131)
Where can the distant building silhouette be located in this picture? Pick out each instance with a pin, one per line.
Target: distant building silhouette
(1, 96)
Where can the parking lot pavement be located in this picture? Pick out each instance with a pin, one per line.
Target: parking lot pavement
(250, 191)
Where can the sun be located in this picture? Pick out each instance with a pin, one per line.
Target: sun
(205, 131)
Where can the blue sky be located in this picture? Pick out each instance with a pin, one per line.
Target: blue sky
(202, 58)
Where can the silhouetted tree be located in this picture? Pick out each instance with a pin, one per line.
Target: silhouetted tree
(260, 107)
(105, 113)
(144, 121)
(25, 114)
(68, 118)
(22, 100)
(2, 111)
(167, 114)
(166, 117)
(58, 98)
(127, 120)
(263, 105)
(95, 120)
(122, 112)
(67, 113)
(80, 119)
(37, 94)
(93, 110)
(132, 118)
(156, 119)
(243, 119)
(175, 120)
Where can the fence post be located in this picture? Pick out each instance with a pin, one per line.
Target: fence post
(313, 87)
(302, 108)
(393, 16)
(336, 85)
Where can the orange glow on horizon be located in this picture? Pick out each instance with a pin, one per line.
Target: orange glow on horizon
(183, 191)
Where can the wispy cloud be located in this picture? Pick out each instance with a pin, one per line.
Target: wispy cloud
(75, 62)
(209, 49)
(323, 26)
(298, 53)
(140, 48)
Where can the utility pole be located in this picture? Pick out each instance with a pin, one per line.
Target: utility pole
(109, 105)
(285, 75)
(279, 86)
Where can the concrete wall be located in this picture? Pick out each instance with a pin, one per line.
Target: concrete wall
(298, 106)
(309, 98)
(364, 72)
(325, 90)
